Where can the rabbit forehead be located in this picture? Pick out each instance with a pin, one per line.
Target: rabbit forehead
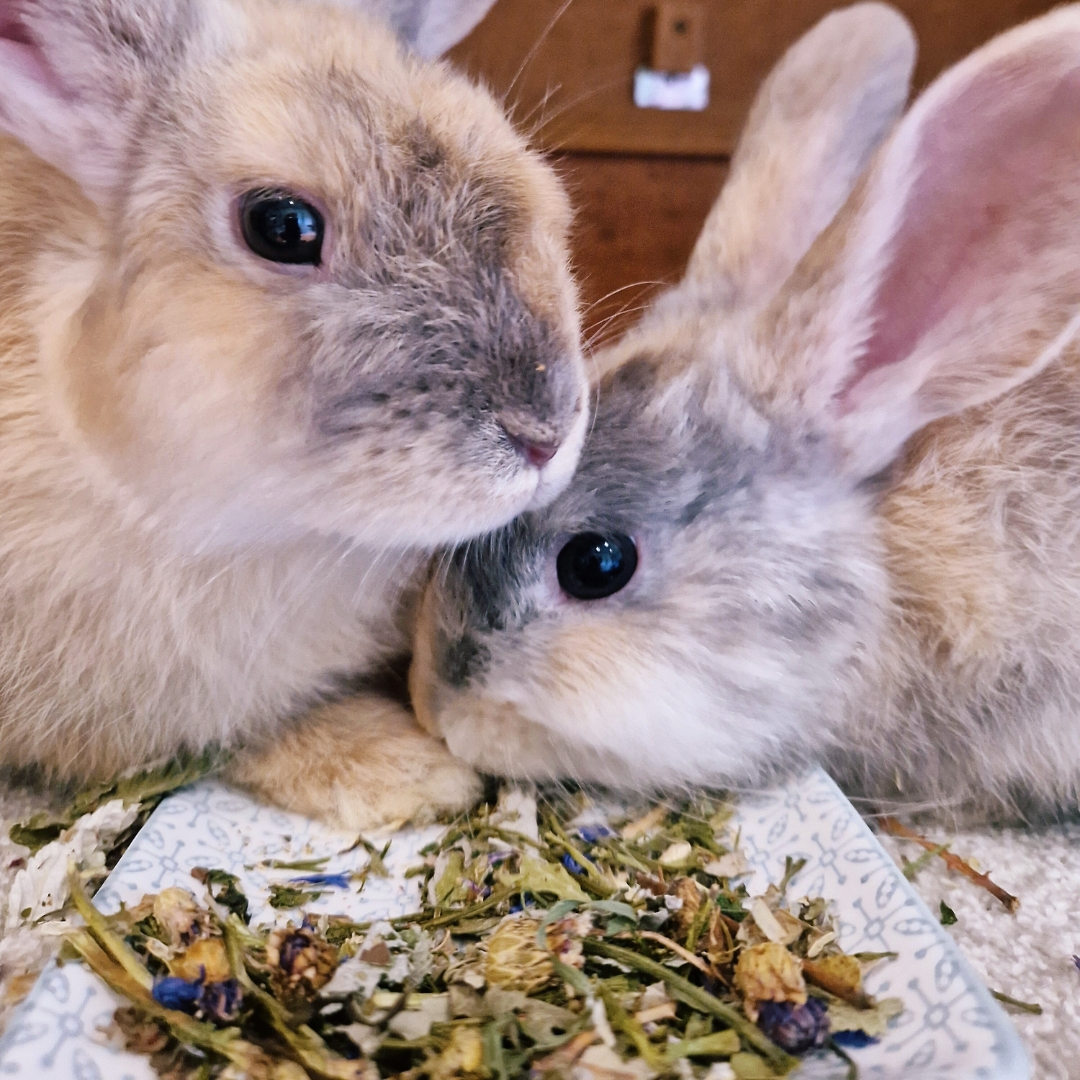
(672, 433)
(334, 109)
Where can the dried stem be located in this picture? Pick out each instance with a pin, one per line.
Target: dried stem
(953, 862)
(697, 998)
(678, 950)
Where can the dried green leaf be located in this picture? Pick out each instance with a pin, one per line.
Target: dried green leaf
(873, 1021)
(451, 871)
(1032, 1007)
(147, 787)
(720, 1044)
(614, 907)
(297, 864)
(750, 1067)
(225, 889)
(547, 1025)
(541, 878)
(286, 897)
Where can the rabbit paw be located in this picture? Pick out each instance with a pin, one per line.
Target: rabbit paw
(358, 764)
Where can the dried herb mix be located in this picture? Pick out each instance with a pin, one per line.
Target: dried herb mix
(546, 946)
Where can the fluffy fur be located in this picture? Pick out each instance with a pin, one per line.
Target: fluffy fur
(219, 475)
(846, 449)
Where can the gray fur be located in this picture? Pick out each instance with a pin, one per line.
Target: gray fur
(856, 543)
(429, 26)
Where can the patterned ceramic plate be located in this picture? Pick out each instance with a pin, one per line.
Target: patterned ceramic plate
(950, 1029)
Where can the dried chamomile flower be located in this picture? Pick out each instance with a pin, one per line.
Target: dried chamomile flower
(300, 963)
(840, 975)
(514, 959)
(768, 972)
(206, 959)
(180, 918)
(463, 1058)
(690, 894)
(564, 937)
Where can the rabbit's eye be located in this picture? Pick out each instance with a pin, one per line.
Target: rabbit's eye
(282, 228)
(591, 566)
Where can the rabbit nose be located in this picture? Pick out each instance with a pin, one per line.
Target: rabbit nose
(532, 450)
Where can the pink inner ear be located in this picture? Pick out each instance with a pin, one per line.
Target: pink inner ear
(992, 164)
(19, 52)
(11, 27)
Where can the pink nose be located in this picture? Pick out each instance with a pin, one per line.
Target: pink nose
(535, 453)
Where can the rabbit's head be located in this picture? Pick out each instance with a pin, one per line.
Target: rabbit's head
(697, 605)
(311, 280)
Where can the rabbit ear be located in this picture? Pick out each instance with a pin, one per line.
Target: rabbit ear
(826, 106)
(429, 26)
(954, 274)
(71, 72)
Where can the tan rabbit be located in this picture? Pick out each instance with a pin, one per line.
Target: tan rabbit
(282, 306)
(831, 503)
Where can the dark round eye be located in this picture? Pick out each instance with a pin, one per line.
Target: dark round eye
(591, 566)
(282, 228)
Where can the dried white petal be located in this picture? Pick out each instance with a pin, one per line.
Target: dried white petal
(411, 1025)
(354, 975)
(600, 1022)
(42, 885)
(602, 1063)
(516, 813)
(766, 921)
(720, 1070)
(818, 941)
(365, 1037)
(733, 864)
(677, 853)
(654, 994)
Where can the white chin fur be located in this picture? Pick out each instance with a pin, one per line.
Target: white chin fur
(652, 751)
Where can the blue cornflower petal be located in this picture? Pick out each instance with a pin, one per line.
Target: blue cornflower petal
(1076, 961)
(572, 865)
(795, 1028)
(221, 1000)
(337, 881)
(591, 833)
(853, 1040)
(176, 993)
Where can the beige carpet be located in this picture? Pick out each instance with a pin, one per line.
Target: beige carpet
(1027, 955)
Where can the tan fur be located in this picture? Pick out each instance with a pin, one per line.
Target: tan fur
(982, 543)
(181, 561)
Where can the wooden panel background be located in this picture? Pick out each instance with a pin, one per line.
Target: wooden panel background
(643, 180)
(637, 219)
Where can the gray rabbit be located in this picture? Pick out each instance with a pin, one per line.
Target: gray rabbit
(282, 307)
(830, 504)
